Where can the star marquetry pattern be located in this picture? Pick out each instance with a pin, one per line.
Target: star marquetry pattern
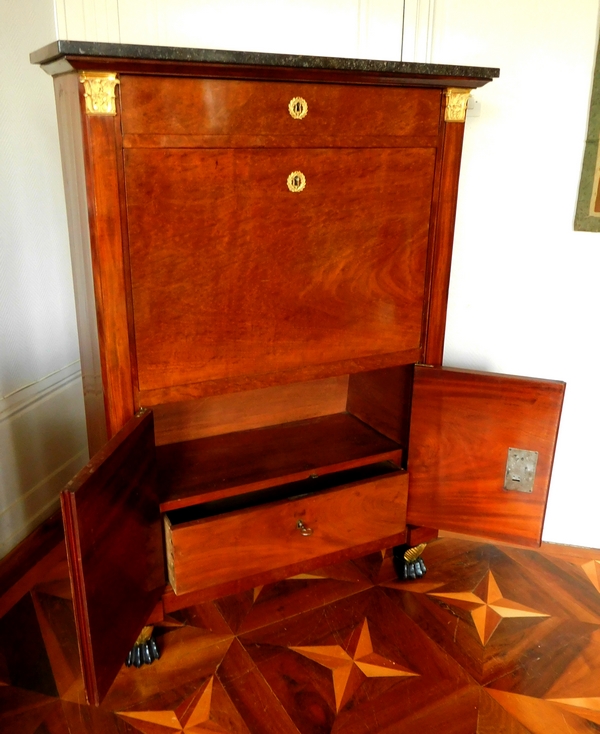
(592, 571)
(349, 669)
(487, 606)
(591, 704)
(192, 716)
(298, 577)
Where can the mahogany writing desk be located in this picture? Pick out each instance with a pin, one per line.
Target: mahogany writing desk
(261, 248)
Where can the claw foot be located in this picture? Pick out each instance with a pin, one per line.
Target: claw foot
(145, 650)
(408, 562)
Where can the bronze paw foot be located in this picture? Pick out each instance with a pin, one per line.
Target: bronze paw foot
(408, 562)
(145, 651)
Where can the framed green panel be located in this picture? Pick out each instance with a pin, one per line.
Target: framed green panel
(587, 215)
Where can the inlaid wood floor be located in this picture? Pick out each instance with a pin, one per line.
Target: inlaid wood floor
(492, 640)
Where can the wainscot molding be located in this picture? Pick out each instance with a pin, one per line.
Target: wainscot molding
(43, 444)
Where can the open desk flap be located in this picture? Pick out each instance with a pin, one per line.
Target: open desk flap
(114, 550)
(481, 451)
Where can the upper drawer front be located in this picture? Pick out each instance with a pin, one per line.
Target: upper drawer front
(224, 548)
(182, 106)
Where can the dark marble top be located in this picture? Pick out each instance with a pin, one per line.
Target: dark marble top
(60, 49)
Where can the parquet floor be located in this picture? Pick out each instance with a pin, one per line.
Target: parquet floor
(492, 640)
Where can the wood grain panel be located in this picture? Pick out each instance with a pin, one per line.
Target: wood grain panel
(381, 398)
(180, 106)
(442, 238)
(221, 466)
(281, 141)
(211, 416)
(172, 602)
(68, 107)
(114, 549)
(233, 275)
(104, 198)
(229, 547)
(195, 390)
(462, 425)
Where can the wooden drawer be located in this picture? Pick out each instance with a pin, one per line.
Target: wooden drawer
(182, 106)
(205, 551)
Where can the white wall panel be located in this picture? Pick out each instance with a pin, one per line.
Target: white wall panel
(88, 20)
(524, 295)
(37, 316)
(418, 30)
(60, 18)
(42, 434)
(380, 26)
(299, 27)
(363, 28)
(42, 445)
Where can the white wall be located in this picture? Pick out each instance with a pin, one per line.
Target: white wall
(524, 296)
(42, 433)
(364, 28)
(525, 289)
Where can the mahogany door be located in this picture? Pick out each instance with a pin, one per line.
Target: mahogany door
(463, 424)
(114, 549)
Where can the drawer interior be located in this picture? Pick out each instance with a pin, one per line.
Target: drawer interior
(220, 467)
(289, 491)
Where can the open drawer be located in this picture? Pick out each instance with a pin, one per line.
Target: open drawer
(316, 518)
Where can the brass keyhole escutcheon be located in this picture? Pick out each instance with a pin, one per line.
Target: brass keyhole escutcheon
(296, 181)
(304, 529)
(298, 108)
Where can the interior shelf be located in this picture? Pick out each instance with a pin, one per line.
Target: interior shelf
(208, 469)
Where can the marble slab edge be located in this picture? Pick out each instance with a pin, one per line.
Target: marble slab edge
(60, 49)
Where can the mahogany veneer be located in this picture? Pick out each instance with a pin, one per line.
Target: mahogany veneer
(110, 513)
(175, 106)
(310, 279)
(458, 450)
(274, 332)
(236, 545)
(224, 466)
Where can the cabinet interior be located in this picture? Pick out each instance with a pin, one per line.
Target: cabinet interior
(265, 441)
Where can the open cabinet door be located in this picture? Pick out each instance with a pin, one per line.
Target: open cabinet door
(463, 424)
(114, 549)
